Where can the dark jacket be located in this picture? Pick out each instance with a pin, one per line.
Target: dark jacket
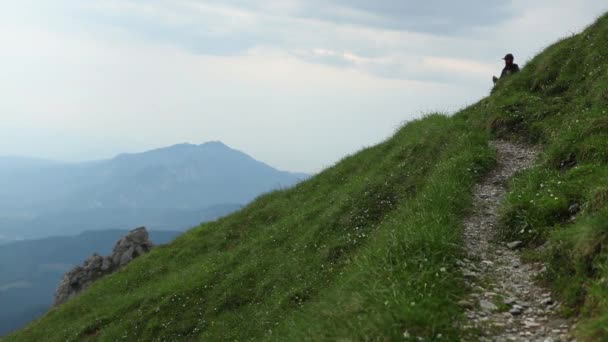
(510, 70)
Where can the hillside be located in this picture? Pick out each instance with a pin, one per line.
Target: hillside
(367, 250)
(171, 188)
(32, 269)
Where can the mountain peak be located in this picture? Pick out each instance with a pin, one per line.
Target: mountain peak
(214, 143)
(183, 149)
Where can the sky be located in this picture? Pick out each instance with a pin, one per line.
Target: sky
(298, 84)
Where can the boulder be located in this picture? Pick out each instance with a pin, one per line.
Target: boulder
(134, 244)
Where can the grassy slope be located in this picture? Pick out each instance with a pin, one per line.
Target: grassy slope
(363, 250)
(366, 249)
(560, 100)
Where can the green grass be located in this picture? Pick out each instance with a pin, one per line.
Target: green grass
(366, 250)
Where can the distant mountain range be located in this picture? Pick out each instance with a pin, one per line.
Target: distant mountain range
(31, 270)
(171, 188)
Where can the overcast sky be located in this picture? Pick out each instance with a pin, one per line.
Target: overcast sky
(295, 83)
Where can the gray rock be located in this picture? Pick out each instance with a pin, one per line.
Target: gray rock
(129, 247)
(487, 306)
(106, 264)
(465, 304)
(547, 301)
(529, 323)
(516, 310)
(469, 274)
(515, 244)
(127, 256)
(574, 208)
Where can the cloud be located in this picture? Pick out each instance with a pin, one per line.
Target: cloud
(388, 38)
(453, 65)
(430, 16)
(357, 34)
(296, 83)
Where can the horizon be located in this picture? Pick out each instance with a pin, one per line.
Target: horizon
(153, 149)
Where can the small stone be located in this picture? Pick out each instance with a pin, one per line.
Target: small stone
(487, 306)
(574, 208)
(515, 244)
(469, 274)
(547, 301)
(465, 304)
(510, 301)
(487, 262)
(531, 324)
(516, 310)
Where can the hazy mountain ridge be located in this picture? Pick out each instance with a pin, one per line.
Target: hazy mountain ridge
(183, 178)
(74, 222)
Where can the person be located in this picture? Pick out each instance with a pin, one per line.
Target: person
(510, 67)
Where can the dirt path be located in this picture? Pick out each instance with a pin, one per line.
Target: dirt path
(505, 304)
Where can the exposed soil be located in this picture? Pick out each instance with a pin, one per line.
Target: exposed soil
(506, 303)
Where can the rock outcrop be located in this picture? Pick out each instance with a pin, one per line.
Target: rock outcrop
(129, 247)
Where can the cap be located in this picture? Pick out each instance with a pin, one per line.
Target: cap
(509, 56)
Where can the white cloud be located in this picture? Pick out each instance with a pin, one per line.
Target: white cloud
(453, 65)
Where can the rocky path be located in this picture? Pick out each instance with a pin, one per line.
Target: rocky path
(506, 304)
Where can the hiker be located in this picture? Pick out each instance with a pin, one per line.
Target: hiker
(510, 68)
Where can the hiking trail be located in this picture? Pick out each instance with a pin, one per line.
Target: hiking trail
(506, 303)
